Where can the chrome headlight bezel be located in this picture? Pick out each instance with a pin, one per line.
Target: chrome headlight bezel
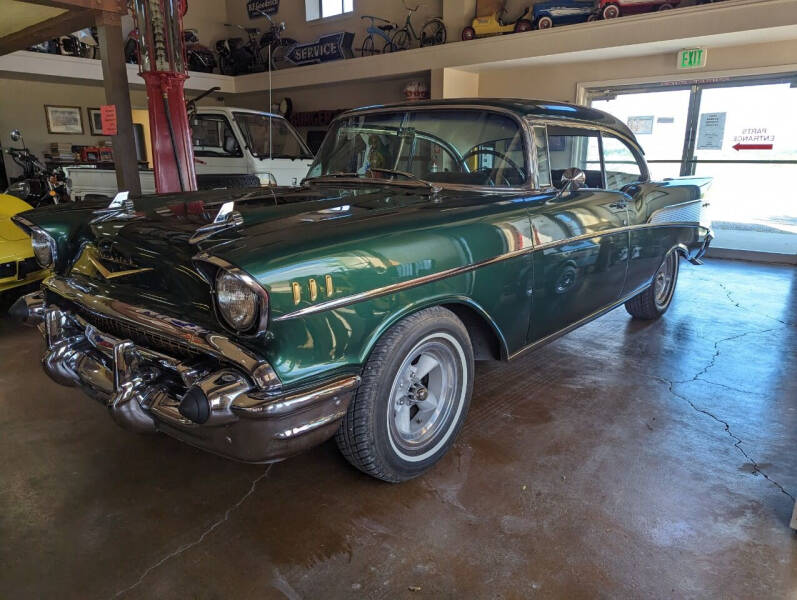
(42, 242)
(257, 322)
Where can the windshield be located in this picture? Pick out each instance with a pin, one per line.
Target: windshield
(282, 143)
(462, 147)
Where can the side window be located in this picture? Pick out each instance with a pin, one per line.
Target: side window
(213, 137)
(622, 167)
(570, 147)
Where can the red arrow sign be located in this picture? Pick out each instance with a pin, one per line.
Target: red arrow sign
(738, 147)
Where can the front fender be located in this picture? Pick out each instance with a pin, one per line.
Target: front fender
(440, 300)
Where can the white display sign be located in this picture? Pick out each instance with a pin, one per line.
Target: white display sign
(641, 125)
(711, 131)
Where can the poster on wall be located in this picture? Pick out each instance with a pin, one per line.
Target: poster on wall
(711, 131)
(255, 8)
(641, 125)
(64, 119)
(335, 46)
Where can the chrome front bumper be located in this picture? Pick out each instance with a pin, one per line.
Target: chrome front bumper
(231, 406)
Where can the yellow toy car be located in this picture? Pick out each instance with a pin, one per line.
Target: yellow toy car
(489, 21)
(18, 266)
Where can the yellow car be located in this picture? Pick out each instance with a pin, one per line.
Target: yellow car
(491, 22)
(18, 267)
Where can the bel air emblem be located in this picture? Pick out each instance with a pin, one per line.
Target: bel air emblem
(106, 274)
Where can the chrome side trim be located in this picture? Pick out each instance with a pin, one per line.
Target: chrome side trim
(674, 213)
(411, 283)
(208, 342)
(591, 317)
(266, 406)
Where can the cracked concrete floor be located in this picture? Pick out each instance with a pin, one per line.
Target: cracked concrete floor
(633, 460)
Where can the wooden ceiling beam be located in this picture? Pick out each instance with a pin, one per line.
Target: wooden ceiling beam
(114, 6)
(46, 30)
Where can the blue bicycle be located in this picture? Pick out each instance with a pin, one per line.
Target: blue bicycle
(369, 48)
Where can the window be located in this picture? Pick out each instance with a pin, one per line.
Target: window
(270, 137)
(574, 147)
(462, 147)
(213, 137)
(321, 9)
(621, 165)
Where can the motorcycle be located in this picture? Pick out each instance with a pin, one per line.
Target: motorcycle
(82, 43)
(237, 57)
(37, 186)
(200, 58)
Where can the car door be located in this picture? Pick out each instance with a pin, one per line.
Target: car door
(580, 235)
(216, 148)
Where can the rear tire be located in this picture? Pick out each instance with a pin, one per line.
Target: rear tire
(656, 299)
(468, 34)
(544, 23)
(415, 392)
(611, 11)
(400, 41)
(368, 46)
(523, 25)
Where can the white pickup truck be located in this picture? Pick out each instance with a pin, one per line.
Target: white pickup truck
(231, 145)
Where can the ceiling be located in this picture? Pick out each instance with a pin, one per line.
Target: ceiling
(21, 15)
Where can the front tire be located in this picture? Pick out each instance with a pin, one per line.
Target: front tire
(415, 393)
(654, 301)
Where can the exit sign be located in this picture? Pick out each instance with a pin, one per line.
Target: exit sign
(692, 59)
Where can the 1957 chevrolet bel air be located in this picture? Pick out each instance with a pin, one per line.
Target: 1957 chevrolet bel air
(257, 323)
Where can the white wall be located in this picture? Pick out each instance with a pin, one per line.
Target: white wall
(559, 82)
(292, 12)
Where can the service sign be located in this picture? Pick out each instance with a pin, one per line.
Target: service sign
(694, 58)
(254, 7)
(335, 46)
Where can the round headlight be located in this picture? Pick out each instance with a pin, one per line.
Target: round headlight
(20, 189)
(238, 303)
(43, 248)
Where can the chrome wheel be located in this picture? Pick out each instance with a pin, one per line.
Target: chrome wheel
(427, 387)
(664, 280)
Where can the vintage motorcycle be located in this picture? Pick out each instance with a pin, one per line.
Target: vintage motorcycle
(82, 43)
(237, 57)
(198, 57)
(37, 185)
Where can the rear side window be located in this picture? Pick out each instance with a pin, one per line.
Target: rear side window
(574, 147)
(622, 166)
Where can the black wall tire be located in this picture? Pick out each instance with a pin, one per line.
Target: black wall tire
(656, 299)
(375, 436)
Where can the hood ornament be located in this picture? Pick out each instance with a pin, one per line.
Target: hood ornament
(120, 207)
(226, 218)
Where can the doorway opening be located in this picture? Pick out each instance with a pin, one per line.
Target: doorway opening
(740, 131)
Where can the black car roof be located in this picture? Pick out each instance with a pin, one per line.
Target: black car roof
(545, 109)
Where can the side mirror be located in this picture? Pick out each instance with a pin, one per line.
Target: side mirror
(15, 135)
(573, 179)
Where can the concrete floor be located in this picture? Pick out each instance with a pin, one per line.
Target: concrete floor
(626, 460)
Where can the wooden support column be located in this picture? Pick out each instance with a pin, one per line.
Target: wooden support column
(117, 92)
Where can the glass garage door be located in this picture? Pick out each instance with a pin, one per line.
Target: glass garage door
(741, 132)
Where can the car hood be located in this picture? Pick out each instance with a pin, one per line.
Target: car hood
(278, 229)
(9, 206)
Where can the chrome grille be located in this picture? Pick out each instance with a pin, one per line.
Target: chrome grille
(146, 339)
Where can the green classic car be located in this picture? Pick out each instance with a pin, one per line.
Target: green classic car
(258, 323)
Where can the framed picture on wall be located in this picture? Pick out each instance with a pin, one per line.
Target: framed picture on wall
(64, 119)
(95, 121)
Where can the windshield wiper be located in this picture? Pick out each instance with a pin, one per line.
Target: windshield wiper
(434, 188)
